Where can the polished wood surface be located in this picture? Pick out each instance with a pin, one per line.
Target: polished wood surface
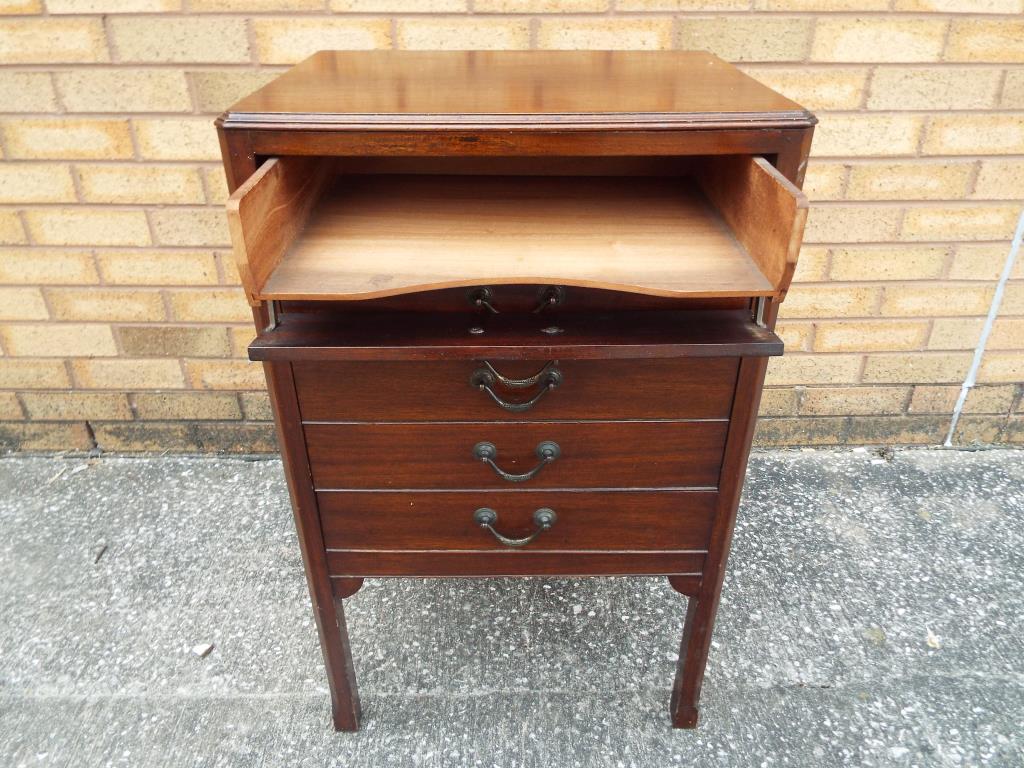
(267, 213)
(595, 454)
(512, 563)
(664, 520)
(518, 336)
(443, 391)
(686, 118)
(382, 235)
(522, 90)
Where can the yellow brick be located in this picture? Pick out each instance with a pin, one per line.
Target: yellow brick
(10, 408)
(256, 406)
(1000, 180)
(863, 134)
(934, 399)
(955, 332)
(987, 41)
(186, 405)
(513, 6)
(38, 265)
(11, 230)
(153, 184)
(975, 135)
(145, 267)
(36, 183)
(229, 268)
(934, 88)
(27, 92)
(105, 304)
(909, 181)
(52, 41)
(851, 223)
(218, 40)
(963, 221)
(888, 263)
(747, 39)
(22, 304)
(455, 34)
(33, 374)
(241, 337)
(1013, 90)
(930, 300)
(17, 7)
(46, 437)
(1007, 333)
(795, 335)
(1013, 299)
(829, 88)
(897, 430)
(605, 34)
(992, 399)
(60, 138)
(124, 89)
(216, 186)
(821, 5)
(824, 181)
(830, 301)
(76, 406)
(177, 139)
(812, 266)
(803, 431)
(185, 226)
(219, 89)
(813, 369)
(203, 305)
(87, 226)
(982, 261)
(876, 336)
(1002, 366)
(225, 374)
(916, 367)
(255, 5)
(853, 401)
(113, 6)
(286, 41)
(58, 340)
(128, 374)
(878, 39)
(960, 6)
(778, 402)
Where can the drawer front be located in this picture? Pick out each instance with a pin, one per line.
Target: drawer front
(591, 455)
(652, 520)
(586, 389)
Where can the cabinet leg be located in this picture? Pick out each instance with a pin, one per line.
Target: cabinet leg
(341, 676)
(693, 657)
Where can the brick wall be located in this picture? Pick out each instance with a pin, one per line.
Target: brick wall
(121, 323)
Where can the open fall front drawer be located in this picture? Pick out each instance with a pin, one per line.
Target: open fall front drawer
(303, 231)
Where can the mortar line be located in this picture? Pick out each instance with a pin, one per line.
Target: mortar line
(993, 311)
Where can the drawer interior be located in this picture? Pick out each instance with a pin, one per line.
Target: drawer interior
(308, 228)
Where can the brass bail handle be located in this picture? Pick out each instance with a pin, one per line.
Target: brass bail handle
(547, 451)
(543, 518)
(484, 379)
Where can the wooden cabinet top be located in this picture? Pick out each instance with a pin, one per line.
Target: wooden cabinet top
(522, 90)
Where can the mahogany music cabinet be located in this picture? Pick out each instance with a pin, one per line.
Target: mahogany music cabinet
(515, 310)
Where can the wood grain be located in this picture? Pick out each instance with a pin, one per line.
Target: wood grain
(634, 454)
(520, 90)
(765, 211)
(648, 520)
(375, 236)
(361, 563)
(449, 336)
(441, 390)
(268, 211)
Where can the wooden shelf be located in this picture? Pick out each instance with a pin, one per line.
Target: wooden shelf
(351, 237)
(446, 335)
